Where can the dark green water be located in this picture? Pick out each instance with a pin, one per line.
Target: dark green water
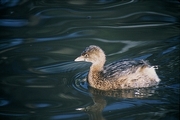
(39, 40)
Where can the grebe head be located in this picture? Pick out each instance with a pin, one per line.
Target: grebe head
(93, 54)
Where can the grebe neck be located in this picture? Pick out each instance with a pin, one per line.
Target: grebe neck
(97, 67)
(98, 63)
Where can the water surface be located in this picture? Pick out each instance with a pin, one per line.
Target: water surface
(40, 39)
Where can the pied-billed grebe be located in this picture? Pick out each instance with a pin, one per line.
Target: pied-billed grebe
(123, 74)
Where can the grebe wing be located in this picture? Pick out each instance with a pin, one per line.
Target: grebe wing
(123, 67)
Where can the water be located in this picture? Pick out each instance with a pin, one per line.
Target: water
(40, 39)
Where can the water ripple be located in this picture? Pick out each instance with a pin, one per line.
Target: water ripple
(146, 16)
(42, 105)
(80, 82)
(68, 36)
(3, 102)
(137, 26)
(7, 43)
(105, 4)
(13, 22)
(128, 44)
(29, 81)
(61, 67)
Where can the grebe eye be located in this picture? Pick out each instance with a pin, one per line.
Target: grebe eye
(86, 55)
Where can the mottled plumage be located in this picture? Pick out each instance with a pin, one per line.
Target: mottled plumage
(123, 67)
(123, 74)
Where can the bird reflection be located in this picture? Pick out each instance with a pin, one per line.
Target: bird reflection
(98, 96)
(95, 111)
(124, 93)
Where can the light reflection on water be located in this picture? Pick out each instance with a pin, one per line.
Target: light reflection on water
(40, 40)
